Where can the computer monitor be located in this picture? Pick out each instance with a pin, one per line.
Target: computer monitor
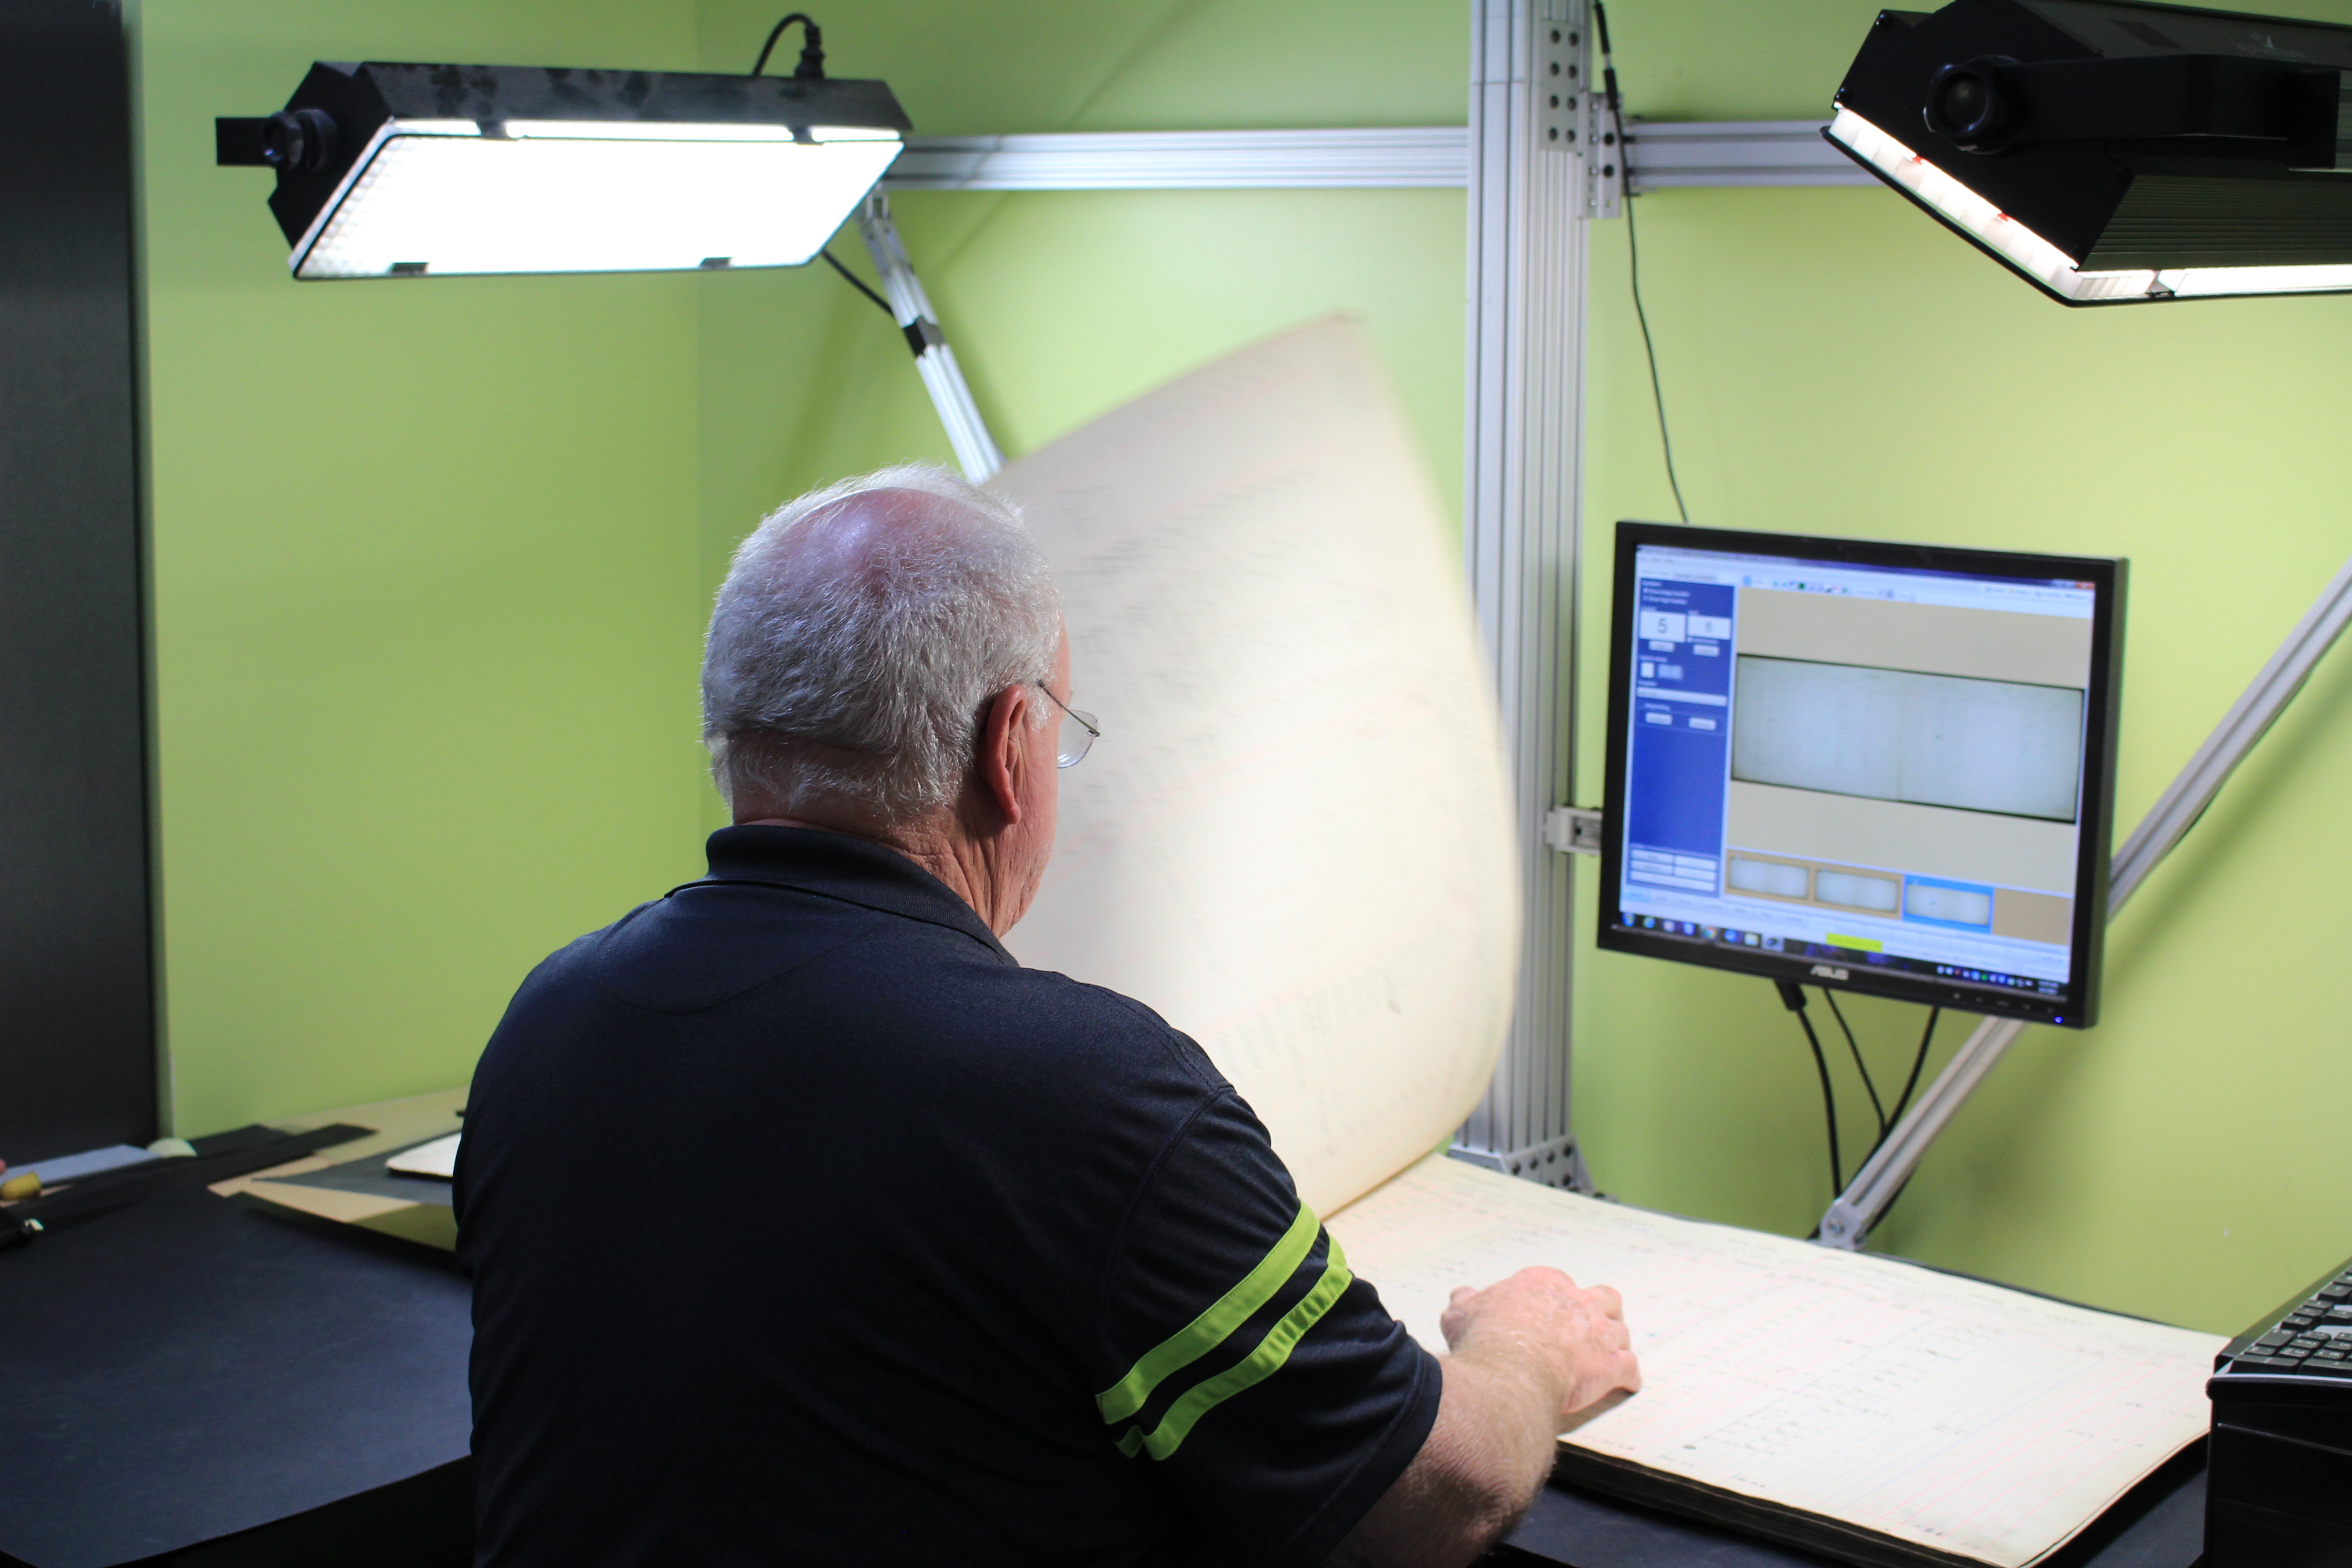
(1883, 767)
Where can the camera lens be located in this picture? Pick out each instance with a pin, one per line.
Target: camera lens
(1962, 101)
(299, 141)
(1966, 107)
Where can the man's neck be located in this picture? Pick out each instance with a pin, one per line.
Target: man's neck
(930, 842)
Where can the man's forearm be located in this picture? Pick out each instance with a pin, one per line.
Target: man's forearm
(1475, 1474)
(1528, 1354)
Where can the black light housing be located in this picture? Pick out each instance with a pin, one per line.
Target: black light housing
(2114, 153)
(393, 169)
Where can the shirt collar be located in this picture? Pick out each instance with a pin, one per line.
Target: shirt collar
(854, 871)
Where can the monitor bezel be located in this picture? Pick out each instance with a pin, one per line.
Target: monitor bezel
(2079, 1009)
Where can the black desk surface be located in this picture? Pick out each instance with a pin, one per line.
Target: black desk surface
(192, 1369)
(2161, 1524)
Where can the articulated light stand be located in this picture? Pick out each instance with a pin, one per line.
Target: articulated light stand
(1847, 1224)
(975, 449)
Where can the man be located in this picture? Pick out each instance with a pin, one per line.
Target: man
(808, 1226)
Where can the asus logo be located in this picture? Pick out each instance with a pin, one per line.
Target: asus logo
(1823, 972)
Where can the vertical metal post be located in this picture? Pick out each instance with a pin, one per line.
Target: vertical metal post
(1531, 190)
(975, 449)
(1847, 1224)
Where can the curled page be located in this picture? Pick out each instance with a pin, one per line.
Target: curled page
(1292, 840)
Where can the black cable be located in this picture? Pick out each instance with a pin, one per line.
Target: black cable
(812, 66)
(859, 283)
(1853, 1049)
(1918, 1065)
(1793, 997)
(1633, 254)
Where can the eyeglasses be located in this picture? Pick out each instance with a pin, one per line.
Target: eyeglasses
(1079, 732)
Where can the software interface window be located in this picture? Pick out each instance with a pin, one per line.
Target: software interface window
(1881, 765)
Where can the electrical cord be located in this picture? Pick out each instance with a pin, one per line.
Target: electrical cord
(812, 66)
(1853, 1049)
(859, 283)
(1793, 997)
(1918, 1065)
(1634, 253)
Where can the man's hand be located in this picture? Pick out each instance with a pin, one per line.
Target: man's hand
(1528, 1354)
(1539, 1316)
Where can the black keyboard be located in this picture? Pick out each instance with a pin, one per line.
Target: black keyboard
(2312, 1338)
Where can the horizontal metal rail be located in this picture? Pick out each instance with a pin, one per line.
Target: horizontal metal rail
(1434, 155)
(1664, 155)
(1671, 155)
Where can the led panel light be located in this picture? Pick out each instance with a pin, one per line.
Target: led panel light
(2037, 259)
(2114, 153)
(549, 202)
(388, 171)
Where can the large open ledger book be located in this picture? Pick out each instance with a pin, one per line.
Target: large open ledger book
(1293, 841)
(1859, 1406)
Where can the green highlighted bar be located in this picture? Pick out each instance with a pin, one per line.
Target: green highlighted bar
(1207, 1331)
(1859, 943)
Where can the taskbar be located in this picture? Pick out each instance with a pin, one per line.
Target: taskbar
(1846, 957)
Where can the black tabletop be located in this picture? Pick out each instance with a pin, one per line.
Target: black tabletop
(2160, 1523)
(193, 1367)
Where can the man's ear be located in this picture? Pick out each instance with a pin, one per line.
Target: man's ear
(1004, 758)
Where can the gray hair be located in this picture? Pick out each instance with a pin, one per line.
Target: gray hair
(860, 631)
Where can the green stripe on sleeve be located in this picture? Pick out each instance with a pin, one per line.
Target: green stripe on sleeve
(1263, 1362)
(1207, 1331)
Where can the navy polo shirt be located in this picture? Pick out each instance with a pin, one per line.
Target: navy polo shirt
(807, 1226)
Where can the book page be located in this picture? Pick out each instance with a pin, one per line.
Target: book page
(1292, 840)
(1955, 1415)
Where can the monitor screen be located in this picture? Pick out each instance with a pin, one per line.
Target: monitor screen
(1885, 767)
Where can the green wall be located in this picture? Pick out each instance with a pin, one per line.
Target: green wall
(425, 587)
(431, 559)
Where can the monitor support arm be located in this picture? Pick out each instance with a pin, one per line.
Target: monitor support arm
(975, 449)
(1847, 1224)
